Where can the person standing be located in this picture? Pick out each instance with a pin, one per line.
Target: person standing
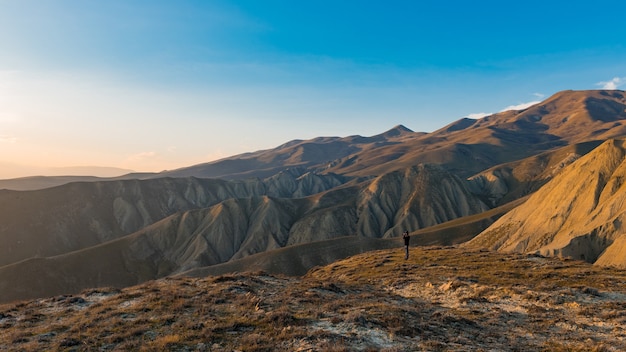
(407, 238)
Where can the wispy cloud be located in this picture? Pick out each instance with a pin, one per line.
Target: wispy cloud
(478, 115)
(539, 95)
(612, 84)
(8, 139)
(521, 106)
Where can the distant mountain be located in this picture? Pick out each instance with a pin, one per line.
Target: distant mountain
(78, 215)
(314, 154)
(468, 146)
(99, 171)
(464, 147)
(40, 182)
(580, 213)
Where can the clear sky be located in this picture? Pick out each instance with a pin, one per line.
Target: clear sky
(150, 85)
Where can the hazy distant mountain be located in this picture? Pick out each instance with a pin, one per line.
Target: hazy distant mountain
(443, 186)
(579, 214)
(465, 147)
(40, 182)
(10, 170)
(78, 215)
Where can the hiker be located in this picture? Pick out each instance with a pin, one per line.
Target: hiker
(407, 238)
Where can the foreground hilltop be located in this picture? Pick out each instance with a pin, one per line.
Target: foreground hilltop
(443, 299)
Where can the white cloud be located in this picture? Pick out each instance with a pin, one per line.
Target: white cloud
(521, 106)
(478, 115)
(612, 84)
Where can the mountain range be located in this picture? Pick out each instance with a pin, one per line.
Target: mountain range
(546, 180)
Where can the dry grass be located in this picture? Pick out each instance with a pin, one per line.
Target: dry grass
(441, 299)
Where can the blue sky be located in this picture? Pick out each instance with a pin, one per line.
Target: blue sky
(150, 85)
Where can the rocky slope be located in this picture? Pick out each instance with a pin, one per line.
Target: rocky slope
(579, 214)
(507, 182)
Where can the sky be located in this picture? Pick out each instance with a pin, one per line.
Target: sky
(152, 85)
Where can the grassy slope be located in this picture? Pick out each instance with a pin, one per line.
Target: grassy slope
(441, 299)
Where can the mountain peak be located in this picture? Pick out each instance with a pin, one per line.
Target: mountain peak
(397, 130)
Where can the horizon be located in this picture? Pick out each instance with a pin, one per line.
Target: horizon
(153, 86)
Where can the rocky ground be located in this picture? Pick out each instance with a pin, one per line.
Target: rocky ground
(441, 299)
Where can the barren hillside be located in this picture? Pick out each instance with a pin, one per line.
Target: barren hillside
(80, 215)
(235, 228)
(580, 213)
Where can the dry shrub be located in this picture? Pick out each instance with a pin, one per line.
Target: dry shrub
(356, 317)
(281, 318)
(255, 342)
(166, 342)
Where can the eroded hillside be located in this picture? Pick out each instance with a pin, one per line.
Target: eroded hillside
(235, 228)
(579, 214)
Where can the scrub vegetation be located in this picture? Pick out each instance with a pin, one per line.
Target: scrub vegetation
(440, 299)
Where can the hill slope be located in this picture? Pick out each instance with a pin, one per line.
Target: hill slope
(580, 213)
(411, 199)
(75, 216)
(440, 299)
